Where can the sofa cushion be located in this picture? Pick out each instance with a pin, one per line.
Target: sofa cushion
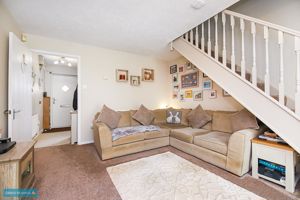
(215, 141)
(109, 117)
(125, 119)
(184, 114)
(157, 134)
(243, 120)
(129, 139)
(187, 134)
(133, 122)
(144, 116)
(159, 115)
(198, 117)
(171, 126)
(221, 121)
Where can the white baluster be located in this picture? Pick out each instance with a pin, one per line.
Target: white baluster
(216, 38)
(202, 37)
(191, 36)
(297, 96)
(197, 37)
(254, 70)
(243, 62)
(232, 23)
(281, 79)
(267, 75)
(224, 39)
(209, 40)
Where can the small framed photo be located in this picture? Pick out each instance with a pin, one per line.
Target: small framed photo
(207, 85)
(181, 69)
(188, 65)
(176, 87)
(198, 95)
(181, 96)
(226, 94)
(174, 78)
(204, 75)
(173, 69)
(175, 95)
(188, 94)
(122, 75)
(213, 94)
(135, 80)
(148, 75)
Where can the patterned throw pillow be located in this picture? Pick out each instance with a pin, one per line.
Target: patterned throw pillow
(173, 116)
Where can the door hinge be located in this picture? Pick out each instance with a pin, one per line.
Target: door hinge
(7, 112)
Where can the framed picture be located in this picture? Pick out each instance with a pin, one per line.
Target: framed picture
(175, 95)
(204, 75)
(122, 75)
(213, 94)
(147, 74)
(181, 96)
(198, 95)
(174, 78)
(190, 80)
(188, 65)
(135, 80)
(173, 69)
(176, 87)
(181, 69)
(207, 85)
(188, 94)
(194, 67)
(226, 94)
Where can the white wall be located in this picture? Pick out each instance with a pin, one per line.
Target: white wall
(219, 103)
(7, 25)
(98, 85)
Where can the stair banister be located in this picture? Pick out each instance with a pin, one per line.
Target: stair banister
(224, 53)
(202, 37)
(297, 96)
(216, 38)
(209, 40)
(232, 23)
(267, 73)
(243, 62)
(281, 79)
(254, 69)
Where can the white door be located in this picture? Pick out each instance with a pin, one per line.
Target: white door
(19, 90)
(63, 88)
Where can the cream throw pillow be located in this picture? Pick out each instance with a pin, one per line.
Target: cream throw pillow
(109, 117)
(198, 117)
(144, 116)
(243, 120)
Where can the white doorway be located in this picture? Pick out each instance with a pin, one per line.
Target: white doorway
(60, 80)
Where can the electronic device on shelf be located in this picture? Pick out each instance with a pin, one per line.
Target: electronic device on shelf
(271, 170)
(6, 144)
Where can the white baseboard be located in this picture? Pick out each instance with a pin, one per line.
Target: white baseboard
(86, 142)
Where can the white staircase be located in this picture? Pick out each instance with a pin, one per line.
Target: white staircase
(206, 47)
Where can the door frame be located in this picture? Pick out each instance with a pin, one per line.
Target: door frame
(79, 111)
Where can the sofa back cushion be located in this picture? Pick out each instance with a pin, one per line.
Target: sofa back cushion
(221, 121)
(125, 120)
(184, 114)
(208, 126)
(243, 120)
(160, 116)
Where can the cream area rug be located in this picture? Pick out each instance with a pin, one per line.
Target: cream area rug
(167, 176)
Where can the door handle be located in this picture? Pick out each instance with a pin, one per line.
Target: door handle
(15, 112)
(65, 106)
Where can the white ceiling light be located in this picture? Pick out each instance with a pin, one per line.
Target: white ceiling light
(70, 64)
(56, 62)
(197, 4)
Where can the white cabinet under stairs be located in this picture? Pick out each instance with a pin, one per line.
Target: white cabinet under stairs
(253, 92)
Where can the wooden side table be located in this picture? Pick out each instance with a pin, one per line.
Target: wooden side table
(17, 167)
(280, 154)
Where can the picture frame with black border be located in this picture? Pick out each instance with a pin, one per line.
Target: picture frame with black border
(173, 69)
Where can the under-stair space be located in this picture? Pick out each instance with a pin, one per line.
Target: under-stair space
(257, 62)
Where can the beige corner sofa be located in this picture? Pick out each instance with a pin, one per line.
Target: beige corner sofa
(215, 143)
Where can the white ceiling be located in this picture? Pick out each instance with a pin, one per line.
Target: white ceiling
(138, 26)
(49, 61)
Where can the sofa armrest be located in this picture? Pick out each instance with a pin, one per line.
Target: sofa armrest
(102, 136)
(239, 151)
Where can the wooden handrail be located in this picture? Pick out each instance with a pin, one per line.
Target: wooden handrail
(264, 23)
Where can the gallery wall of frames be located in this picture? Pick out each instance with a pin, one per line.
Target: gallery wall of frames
(190, 87)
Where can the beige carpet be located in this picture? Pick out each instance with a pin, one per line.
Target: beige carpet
(169, 177)
(53, 139)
